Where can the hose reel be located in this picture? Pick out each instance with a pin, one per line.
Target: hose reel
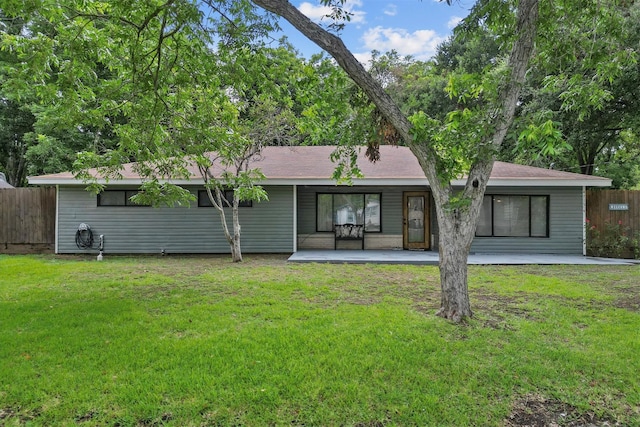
(84, 239)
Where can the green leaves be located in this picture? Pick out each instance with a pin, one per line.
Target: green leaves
(584, 52)
(463, 135)
(464, 88)
(155, 193)
(345, 158)
(544, 138)
(585, 79)
(447, 140)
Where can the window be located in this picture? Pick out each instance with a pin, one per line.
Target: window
(352, 208)
(372, 222)
(514, 216)
(204, 202)
(117, 198)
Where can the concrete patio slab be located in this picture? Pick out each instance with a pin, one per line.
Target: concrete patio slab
(431, 258)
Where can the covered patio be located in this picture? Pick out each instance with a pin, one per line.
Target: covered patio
(431, 258)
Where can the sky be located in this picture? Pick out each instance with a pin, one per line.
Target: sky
(411, 27)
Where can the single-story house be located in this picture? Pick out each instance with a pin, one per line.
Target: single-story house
(526, 209)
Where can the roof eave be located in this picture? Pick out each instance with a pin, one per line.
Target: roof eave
(119, 182)
(550, 182)
(493, 182)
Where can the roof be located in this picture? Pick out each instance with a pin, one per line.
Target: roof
(311, 165)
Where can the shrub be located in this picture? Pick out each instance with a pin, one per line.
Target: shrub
(613, 241)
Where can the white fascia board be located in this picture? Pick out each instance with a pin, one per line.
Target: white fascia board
(118, 182)
(461, 182)
(533, 182)
(277, 181)
(525, 182)
(511, 182)
(355, 182)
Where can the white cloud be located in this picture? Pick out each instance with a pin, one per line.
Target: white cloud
(391, 10)
(317, 12)
(364, 58)
(314, 12)
(453, 21)
(420, 44)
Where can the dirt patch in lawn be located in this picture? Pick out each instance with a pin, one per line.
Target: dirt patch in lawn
(536, 411)
(17, 414)
(629, 298)
(495, 311)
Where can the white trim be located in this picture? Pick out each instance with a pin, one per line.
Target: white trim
(116, 182)
(499, 182)
(57, 226)
(550, 182)
(496, 182)
(295, 218)
(584, 221)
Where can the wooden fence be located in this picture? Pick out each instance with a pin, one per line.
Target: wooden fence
(27, 220)
(614, 207)
(612, 214)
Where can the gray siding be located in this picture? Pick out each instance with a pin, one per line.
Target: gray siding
(565, 219)
(266, 226)
(565, 224)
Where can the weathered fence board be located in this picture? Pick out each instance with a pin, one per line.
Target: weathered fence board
(27, 220)
(614, 207)
(614, 223)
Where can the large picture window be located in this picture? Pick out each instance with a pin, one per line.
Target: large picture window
(117, 198)
(351, 208)
(514, 216)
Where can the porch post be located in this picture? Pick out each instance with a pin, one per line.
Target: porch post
(584, 220)
(57, 221)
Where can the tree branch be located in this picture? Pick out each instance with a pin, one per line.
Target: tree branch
(336, 48)
(521, 52)
(332, 44)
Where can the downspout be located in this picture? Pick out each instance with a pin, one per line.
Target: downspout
(295, 218)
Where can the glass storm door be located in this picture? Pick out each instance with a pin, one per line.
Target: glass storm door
(415, 234)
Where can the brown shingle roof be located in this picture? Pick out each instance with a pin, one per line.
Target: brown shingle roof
(396, 163)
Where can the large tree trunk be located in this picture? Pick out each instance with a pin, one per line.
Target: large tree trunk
(454, 301)
(454, 245)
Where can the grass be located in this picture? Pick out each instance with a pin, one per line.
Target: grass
(200, 341)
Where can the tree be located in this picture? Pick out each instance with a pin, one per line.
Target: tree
(15, 120)
(33, 139)
(595, 109)
(219, 123)
(434, 142)
(15, 123)
(174, 86)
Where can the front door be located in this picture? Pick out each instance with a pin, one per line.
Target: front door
(415, 231)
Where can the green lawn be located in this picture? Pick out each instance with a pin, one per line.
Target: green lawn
(201, 341)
